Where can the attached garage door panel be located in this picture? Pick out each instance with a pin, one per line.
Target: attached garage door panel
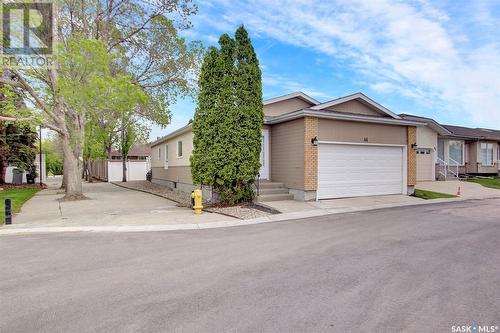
(357, 170)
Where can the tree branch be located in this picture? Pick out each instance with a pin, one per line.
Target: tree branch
(46, 125)
(4, 118)
(134, 32)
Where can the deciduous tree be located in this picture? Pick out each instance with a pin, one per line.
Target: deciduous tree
(157, 59)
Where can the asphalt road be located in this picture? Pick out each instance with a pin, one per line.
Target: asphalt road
(413, 269)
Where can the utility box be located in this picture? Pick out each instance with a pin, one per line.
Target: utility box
(17, 176)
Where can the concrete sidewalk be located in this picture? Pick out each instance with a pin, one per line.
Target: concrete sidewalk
(115, 209)
(294, 210)
(346, 204)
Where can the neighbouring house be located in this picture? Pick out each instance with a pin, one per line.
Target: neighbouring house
(170, 163)
(139, 152)
(446, 151)
(475, 149)
(346, 147)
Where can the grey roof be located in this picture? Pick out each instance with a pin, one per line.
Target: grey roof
(137, 150)
(474, 133)
(360, 97)
(171, 135)
(429, 122)
(339, 116)
(296, 94)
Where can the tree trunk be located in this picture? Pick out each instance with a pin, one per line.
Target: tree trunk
(124, 164)
(3, 169)
(64, 181)
(88, 166)
(72, 171)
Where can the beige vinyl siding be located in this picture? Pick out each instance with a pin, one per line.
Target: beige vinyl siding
(287, 153)
(352, 131)
(427, 137)
(179, 174)
(179, 168)
(473, 158)
(355, 107)
(289, 105)
(173, 160)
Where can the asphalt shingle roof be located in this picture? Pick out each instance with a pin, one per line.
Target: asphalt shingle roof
(478, 133)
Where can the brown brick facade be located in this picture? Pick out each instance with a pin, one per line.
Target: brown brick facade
(412, 156)
(310, 154)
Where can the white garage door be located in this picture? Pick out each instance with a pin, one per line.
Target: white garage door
(359, 170)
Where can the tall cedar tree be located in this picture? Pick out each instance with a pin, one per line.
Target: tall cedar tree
(228, 119)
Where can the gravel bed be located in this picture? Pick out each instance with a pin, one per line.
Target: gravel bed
(243, 212)
(182, 198)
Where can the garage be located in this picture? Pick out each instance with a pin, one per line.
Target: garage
(425, 164)
(353, 170)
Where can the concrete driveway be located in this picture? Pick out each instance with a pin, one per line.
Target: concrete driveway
(108, 204)
(410, 269)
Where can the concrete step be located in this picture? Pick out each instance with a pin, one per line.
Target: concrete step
(278, 190)
(274, 197)
(266, 185)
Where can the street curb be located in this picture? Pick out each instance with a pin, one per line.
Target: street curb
(12, 230)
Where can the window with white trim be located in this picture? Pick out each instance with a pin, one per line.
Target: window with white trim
(159, 153)
(179, 149)
(165, 165)
(487, 154)
(457, 151)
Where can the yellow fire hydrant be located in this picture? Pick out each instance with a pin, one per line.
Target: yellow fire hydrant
(197, 197)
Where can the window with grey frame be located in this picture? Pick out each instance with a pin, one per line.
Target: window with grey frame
(165, 164)
(179, 149)
(487, 154)
(457, 151)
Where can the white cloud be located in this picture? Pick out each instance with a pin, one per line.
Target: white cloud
(410, 48)
(287, 85)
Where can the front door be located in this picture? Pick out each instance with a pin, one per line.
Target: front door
(264, 155)
(425, 164)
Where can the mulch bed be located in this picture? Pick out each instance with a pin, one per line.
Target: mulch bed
(11, 186)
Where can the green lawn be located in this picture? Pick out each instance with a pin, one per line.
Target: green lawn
(19, 196)
(431, 195)
(493, 182)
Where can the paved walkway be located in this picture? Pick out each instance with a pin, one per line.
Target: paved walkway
(108, 205)
(345, 205)
(468, 190)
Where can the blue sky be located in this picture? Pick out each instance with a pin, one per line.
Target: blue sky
(436, 59)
